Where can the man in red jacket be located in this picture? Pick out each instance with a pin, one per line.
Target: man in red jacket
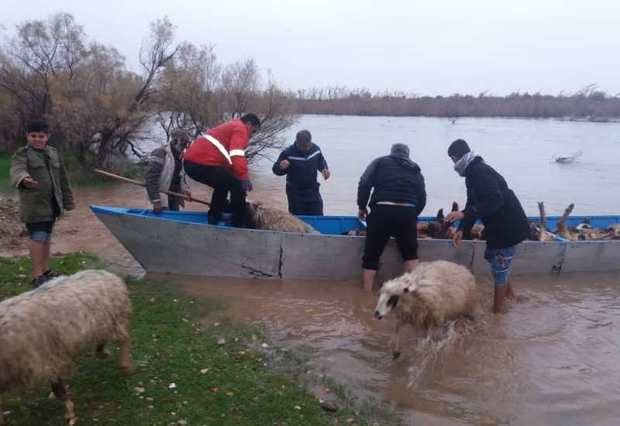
(217, 158)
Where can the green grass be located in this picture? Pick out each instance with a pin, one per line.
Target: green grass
(215, 383)
(5, 165)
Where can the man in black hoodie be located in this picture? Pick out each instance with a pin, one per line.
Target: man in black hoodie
(490, 200)
(398, 197)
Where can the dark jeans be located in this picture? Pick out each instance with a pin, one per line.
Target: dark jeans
(304, 202)
(222, 182)
(174, 203)
(390, 221)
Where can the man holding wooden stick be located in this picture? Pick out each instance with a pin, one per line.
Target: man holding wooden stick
(164, 171)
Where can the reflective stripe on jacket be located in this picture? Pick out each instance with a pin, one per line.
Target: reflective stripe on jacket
(222, 146)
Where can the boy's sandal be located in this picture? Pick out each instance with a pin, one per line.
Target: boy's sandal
(51, 274)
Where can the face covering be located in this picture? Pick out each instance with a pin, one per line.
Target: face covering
(461, 165)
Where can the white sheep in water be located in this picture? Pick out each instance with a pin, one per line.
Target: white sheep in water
(41, 331)
(261, 217)
(428, 297)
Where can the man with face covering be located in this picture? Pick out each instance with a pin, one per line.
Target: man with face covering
(398, 197)
(300, 163)
(165, 172)
(491, 200)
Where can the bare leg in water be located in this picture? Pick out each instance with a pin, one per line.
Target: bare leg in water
(509, 292)
(368, 277)
(499, 298)
(410, 265)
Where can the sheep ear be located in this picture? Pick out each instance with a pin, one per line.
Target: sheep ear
(440, 215)
(455, 206)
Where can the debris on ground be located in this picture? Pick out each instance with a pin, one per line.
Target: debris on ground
(12, 231)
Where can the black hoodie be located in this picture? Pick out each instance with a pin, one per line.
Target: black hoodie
(490, 199)
(394, 178)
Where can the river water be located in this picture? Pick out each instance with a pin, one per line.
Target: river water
(521, 150)
(553, 359)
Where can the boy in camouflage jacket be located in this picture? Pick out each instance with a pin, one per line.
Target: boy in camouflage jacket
(44, 194)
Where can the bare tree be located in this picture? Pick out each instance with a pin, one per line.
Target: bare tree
(30, 62)
(187, 90)
(240, 86)
(155, 53)
(278, 116)
(101, 111)
(196, 95)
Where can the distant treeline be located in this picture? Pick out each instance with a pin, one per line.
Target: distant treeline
(586, 104)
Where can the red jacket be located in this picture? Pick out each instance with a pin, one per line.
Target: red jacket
(233, 138)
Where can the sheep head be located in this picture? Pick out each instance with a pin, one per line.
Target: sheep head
(389, 296)
(253, 214)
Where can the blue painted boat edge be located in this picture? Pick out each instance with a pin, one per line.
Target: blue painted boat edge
(124, 210)
(328, 225)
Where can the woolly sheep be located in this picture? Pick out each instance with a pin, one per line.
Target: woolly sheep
(41, 331)
(428, 297)
(261, 217)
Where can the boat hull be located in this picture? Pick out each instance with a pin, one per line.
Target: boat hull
(190, 248)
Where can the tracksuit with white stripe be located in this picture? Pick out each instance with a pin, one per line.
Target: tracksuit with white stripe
(302, 188)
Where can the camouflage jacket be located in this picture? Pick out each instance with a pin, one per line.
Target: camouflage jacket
(44, 166)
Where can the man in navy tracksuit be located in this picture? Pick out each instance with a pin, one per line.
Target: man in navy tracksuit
(300, 163)
(491, 200)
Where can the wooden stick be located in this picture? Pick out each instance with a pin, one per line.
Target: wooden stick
(137, 182)
(562, 229)
(543, 221)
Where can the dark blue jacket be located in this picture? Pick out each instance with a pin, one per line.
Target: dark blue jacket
(490, 200)
(302, 172)
(394, 178)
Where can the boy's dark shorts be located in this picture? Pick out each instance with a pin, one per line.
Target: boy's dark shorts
(390, 221)
(40, 231)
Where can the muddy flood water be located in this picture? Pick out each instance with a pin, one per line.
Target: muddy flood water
(554, 359)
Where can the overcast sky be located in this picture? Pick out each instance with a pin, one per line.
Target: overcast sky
(425, 47)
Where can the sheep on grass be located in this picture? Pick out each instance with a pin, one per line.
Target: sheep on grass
(43, 330)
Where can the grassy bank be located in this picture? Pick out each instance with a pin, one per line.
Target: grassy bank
(185, 373)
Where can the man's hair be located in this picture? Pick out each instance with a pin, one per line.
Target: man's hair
(37, 126)
(251, 119)
(303, 136)
(400, 149)
(458, 148)
(180, 134)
